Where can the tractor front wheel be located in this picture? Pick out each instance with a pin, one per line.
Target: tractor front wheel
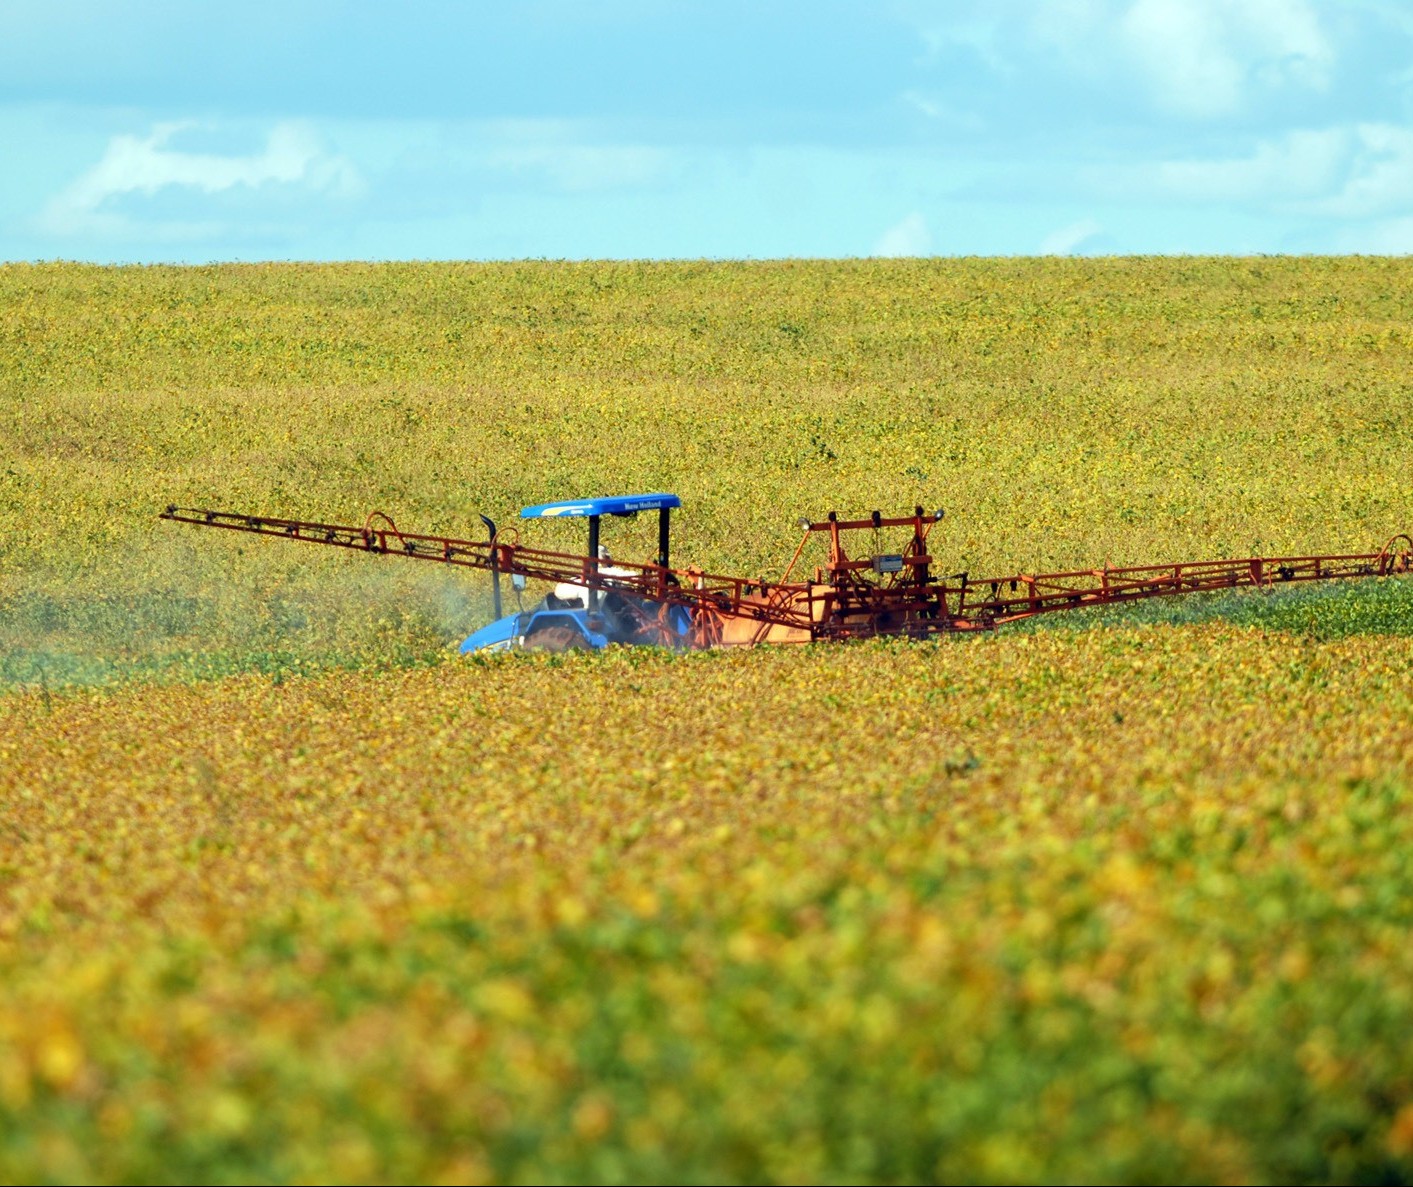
(556, 638)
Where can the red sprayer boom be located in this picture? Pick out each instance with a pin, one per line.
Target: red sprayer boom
(848, 597)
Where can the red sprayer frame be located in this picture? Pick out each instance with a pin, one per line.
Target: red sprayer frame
(878, 594)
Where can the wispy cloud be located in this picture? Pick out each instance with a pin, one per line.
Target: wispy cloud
(939, 110)
(1379, 178)
(479, 131)
(1196, 59)
(145, 166)
(1302, 165)
(1204, 58)
(909, 237)
(1072, 239)
(1357, 171)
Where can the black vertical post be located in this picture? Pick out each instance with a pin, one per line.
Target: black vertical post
(593, 560)
(495, 567)
(664, 533)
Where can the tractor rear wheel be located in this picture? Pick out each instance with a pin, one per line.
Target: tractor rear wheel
(556, 638)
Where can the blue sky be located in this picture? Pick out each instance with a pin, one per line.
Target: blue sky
(173, 130)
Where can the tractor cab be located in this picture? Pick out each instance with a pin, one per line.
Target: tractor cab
(584, 616)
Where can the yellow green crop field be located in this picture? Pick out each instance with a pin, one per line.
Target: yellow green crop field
(290, 891)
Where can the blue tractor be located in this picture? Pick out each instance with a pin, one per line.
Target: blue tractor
(577, 616)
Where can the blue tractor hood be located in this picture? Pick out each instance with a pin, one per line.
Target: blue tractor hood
(498, 636)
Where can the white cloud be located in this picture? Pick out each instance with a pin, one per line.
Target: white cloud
(1195, 59)
(910, 237)
(1361, 171)
(1379, 180)
(1202, 58)
(1181, 51)
(1301, 165)
(1071, 239)
(147, 165)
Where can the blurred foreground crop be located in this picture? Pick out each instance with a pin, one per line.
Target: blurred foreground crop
(1122, 904)
(288, 892)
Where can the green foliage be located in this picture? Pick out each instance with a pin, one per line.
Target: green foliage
(299, 895)
(1122, 905)
(1065, 412)
(1324, 611)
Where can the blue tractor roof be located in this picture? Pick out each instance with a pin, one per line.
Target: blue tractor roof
(612, 505)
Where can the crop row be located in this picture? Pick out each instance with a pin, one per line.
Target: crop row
(1122, 903)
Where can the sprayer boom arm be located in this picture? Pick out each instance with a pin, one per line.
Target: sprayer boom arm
(1005, 599)
(886, 594)
(502, 554)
